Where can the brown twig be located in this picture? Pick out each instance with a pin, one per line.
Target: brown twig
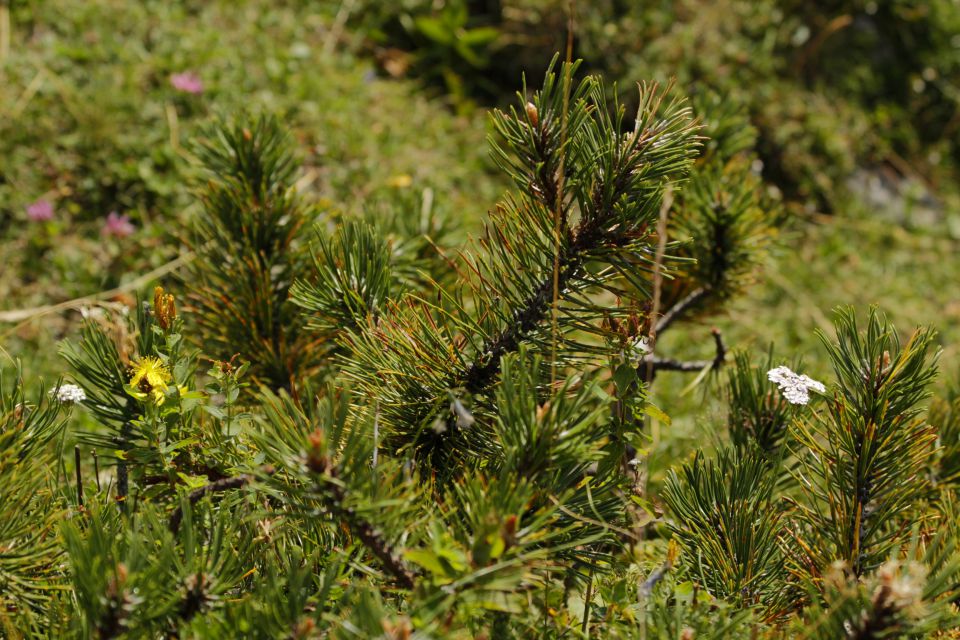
(675, 312)
(23, 315)
(658, 272)
(649, 366)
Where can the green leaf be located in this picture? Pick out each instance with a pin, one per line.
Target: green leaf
(193, 482)
(480, 36)
(656, 413)
(215, 411)
(434, 30)
(625, 378)
(431, 562)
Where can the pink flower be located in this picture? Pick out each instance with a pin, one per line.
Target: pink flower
(117, 225)
(188, 82)
(40, 211)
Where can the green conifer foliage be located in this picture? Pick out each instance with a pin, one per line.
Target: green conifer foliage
(944, 415)
(864, 468)
(473, 463)
(569, 235)
(352, 278)
(728, 523)
(720, 220)
(757, 416)
(29, 549)
(850, 530)
(248, 251)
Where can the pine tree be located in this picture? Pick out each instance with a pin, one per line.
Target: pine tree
(249, 248)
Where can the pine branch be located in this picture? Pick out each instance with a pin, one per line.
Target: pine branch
(907, 597)
(248, 252)
(421, 351)
(533, 312)
(334, 496)
(863, 458)
(353, 278)
(726, 518)
(31, 505)
(723, 225)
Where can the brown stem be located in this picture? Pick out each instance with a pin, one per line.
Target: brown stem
(675, 312)
(651, 364)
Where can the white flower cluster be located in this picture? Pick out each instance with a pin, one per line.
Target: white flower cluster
(794, 386)
(69, 394)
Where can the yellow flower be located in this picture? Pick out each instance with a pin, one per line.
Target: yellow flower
(401, 181)
(150, 378)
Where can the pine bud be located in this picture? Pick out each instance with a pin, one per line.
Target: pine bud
(543, 410)
(532, 114)
(317, 457)
(508, 531)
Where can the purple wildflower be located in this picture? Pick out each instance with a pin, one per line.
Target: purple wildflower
(188, 82)
(40, 211)
(117, 225)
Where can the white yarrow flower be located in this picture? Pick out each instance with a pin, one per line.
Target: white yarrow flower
(795, 387)
(69, 394)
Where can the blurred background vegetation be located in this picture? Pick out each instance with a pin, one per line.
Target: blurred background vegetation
(856, 107)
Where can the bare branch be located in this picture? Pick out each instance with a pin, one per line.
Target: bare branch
(651, 364)
(675, 312)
